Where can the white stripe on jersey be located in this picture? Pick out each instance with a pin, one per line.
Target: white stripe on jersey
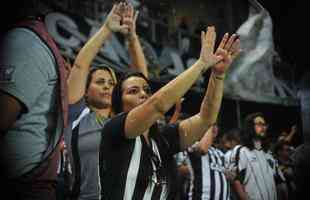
(221, 158)
(259, 180)
(133, 170)
(149, 191)
(216, 174)
(205, 166)
(77, 121)
(212, 164)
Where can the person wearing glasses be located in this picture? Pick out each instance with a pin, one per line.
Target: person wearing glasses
(136, 157)
(257, 173)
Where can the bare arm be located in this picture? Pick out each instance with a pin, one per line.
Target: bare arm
(129, 18)
(207, 140)
(137, 55)
(78, 76)
(159, 103)
(134, 45)
(239, 188)
(177, 111)
(10, 110)
(291, 134)
(192, 129)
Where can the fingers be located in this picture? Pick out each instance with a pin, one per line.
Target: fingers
(203, 38)
(114, 8)
(223, 53)
(128, 17)
(210, 38)
(229, 43)
(128, 10)
(235, 49)
(117, 9)
(224, 40)
(135, 17)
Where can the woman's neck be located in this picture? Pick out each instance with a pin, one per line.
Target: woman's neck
(105, 112)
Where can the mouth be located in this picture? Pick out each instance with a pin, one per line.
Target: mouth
(105, 94)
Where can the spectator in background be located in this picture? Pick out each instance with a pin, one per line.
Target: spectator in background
(283, 154)
(207, 167)
(230, 139)
(288, 136)
(255, 175)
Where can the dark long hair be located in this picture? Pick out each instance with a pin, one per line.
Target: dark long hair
(248, 133)
(117, 103)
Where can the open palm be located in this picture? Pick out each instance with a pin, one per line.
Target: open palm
(207, 55)
(114, 19)
(229, 49)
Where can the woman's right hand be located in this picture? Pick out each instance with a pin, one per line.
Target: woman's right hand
(207, 56)
(114, 19)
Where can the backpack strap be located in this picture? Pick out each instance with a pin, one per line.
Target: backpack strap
(76, 162)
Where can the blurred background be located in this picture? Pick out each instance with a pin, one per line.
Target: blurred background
(266, 77)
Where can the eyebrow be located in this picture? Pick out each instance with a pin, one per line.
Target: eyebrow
(133, 86)
(136, 86)
(103, 79)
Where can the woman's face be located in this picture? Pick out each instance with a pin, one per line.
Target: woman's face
(100, 89)
(135, 91)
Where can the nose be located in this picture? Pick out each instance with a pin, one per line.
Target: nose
(143, 95)
(106, 86)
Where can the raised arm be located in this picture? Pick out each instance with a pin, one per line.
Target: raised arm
(159, 103)
(177, 111)
(240, 190)
(290, 136)
(192, 129)
(78, 76)
(134, 46)
(206, 141)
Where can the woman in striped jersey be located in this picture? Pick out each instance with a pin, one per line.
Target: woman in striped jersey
(135, 156)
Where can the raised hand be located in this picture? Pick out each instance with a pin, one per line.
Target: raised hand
(114, 19)
(229, 49)
(129, 18)
(207, 56)
(294, 128)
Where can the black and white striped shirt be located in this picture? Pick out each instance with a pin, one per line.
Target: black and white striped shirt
(208, 181)
(130, 168)
(254, 172)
